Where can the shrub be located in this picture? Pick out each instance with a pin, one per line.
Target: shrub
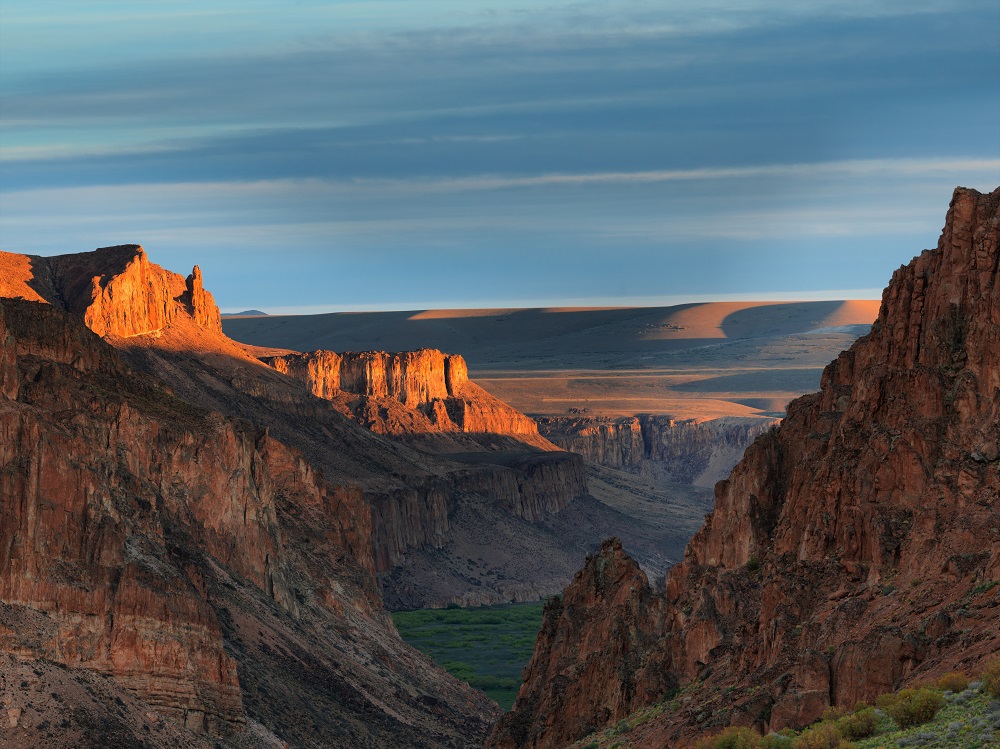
(732, 738)
(953, 681)
(832, 713)
(821, 736)
(776, 741)
(911, 707)
(858, 725)
(991, 678)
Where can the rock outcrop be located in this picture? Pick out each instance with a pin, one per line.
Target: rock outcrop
(83, 524)
(434, 386)
(178, 551)
(612, 618)
(854, 549)
(684, 451)
(117, 290)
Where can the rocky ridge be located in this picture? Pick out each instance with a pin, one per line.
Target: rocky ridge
(854, 549)
(117, 290)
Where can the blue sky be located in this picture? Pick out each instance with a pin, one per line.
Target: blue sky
(404, 154)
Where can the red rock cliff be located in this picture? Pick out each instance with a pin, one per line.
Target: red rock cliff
(434, 386)
(854, 549)
(116, 290)
(105, 510)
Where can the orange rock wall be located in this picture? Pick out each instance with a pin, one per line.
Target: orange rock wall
(117, 290)
(433, 384)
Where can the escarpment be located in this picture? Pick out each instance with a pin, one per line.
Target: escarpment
(433, 385)
(686, 451)
(854, 549)
(531, 486)
(204, 565)
(97, 508)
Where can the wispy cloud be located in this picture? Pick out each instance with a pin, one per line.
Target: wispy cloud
(570, 148)
(974, 168)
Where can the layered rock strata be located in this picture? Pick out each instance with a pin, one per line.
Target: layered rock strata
(176, 550)
(854, 549)
(85, 515)
(433, 384)
(685, 451)
(531, 486)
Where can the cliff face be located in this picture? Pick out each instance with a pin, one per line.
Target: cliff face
(856, 547)
(83, 542)
(611, 617)
(686, 451)
(117, 290)
(433, 386)
(531, 487)
(206, 567)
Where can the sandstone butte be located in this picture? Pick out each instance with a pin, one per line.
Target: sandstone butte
(189, 535)
(435, 387)
(855, 548)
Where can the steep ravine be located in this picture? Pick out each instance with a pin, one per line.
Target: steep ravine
(854, 549)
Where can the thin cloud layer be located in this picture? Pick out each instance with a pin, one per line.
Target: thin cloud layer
(437, 145)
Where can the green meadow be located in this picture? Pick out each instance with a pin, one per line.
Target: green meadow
(486, 647)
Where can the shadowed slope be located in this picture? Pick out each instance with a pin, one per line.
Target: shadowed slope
(853, 549)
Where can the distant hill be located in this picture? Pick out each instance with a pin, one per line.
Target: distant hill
(245, 313)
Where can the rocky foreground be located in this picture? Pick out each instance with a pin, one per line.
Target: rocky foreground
(855, 548)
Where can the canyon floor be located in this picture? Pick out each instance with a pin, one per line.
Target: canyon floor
(691, 361)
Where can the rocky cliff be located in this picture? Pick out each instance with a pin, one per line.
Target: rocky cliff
(685, 451)
(117, 290)
(202, 565)
(434, 386)
(854, 549)
(529, 486)
(167, 325)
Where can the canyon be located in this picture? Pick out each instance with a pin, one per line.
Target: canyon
(205, 569)
(854, 549)
(201, 536)
(670, 394)
(683, 451)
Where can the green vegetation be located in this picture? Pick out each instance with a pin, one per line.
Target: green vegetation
(485, 647)
(953, 681)
(951, 713)
(991, 678)
(911, 707)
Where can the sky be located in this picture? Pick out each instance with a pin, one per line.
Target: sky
(401, 154)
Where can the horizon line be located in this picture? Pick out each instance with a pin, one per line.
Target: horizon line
(579, 303)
